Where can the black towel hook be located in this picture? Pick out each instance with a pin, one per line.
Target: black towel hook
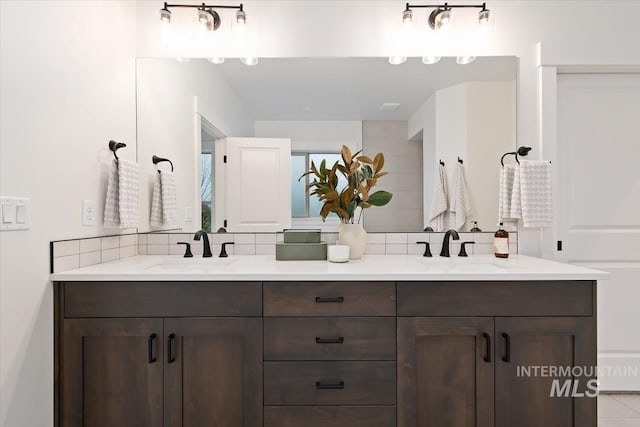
(441, 163)
(115, 146)
(460, 160)
(522, 151)
(155, 159)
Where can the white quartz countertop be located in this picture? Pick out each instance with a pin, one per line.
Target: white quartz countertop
(370, 267)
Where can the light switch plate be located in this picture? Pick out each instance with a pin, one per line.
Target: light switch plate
(89, 212)
(188, 214)
(15, 213)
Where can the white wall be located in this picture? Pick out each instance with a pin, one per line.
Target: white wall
(168, 95)
(310, 136)
(67, 79)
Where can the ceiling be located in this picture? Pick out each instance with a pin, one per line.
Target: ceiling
(350, 88)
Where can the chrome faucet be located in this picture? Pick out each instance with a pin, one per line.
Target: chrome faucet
(445, 243)
(206, 251)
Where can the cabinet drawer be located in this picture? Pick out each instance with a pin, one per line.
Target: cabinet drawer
(334, 416)
(330, 338)
(542, 298)
(329, 383)
(162, 299)
(299, 299)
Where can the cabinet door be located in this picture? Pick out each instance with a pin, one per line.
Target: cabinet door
(523, 398)
(111, 373)
(213, 372)
(445, 372)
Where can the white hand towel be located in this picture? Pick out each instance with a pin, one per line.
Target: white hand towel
(440, 203)
(516, 195)
(111, 210)
(163, 200)
(461, 202)
(169, 206)
(507, 175)
(128, 189)
(156, 202)
(535, 185)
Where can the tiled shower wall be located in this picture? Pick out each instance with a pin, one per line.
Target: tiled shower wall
(403, 161)
(71, 254)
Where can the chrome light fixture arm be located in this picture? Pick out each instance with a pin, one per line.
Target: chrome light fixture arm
(443, 11)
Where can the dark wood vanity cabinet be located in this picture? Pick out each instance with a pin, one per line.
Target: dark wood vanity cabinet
(159, 370)
(463, 371)
(317, 354)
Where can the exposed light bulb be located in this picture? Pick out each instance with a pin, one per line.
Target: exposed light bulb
(483, 17)
(204, 18)
(249, 60)
(165, 15)
(464, 60)
(241, 17)
(407, 16)
(430, 60)
(216, 60)
(443, 19)
(397, 60)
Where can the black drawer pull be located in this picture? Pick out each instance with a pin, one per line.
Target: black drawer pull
(487, 355)
(329, 340)
(507, 348)
(170, 356)
(150, 353)
(321, 299)
(329, 386)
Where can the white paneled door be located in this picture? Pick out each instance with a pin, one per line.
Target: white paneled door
(258, 183)
(598, 153)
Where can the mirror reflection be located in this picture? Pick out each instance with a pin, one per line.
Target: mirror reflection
(240, 137)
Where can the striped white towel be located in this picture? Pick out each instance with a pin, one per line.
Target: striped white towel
(507, 175)
(121, 207)
(111, 209)
(440, 203)
(461, 202)
(163, 200)
(128, 190)
(536, 196)
(516, 195)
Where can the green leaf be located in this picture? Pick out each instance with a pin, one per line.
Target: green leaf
(323, 167)
(351, 208)
(380, 198)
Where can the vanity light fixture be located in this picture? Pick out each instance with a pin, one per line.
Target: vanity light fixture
(208, 18)
(442, 14)
(397, 60)
(407, 16)
(464, 60)
(430, 60)
(249, 60)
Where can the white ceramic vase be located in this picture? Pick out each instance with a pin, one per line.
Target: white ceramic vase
(354, 236)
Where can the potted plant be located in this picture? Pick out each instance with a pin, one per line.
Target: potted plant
(362, 174)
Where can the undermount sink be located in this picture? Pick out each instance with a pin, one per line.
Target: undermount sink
(190, 264)
(467, 264)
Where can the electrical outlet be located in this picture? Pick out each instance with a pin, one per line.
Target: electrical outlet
(89, 212)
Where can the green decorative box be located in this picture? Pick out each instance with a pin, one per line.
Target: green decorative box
(301, 251)
(301, 236)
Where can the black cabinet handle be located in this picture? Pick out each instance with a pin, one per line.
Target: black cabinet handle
(150, 353)
(487, 354)
(170, 356)
(507, 348)
(322, 300)
(329, 340)
(329, 386)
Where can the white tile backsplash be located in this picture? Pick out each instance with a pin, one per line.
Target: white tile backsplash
(90, 245)
(110, 242)
(90, 258)
(109, 255)
(72, 254)
(69, 247)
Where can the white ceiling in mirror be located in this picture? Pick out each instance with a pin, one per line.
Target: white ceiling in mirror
(351, 88)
